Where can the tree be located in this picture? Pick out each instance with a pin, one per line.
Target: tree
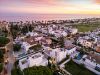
(16, 64)
(4, 32)
(14, 34)
(82, 52)
(1, 55)
(1, 67)
(3, 41)
(30, 28)
(14, 29)
(16, 71)
(62, 42)
(24, 30)
(17, 47)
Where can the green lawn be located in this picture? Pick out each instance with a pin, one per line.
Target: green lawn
(35, 70)
(76, 69)
(86, 27)
(38, 70)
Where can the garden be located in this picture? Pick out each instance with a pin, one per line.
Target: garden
(76, 69)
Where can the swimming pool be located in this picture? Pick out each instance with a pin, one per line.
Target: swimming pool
(79, 56)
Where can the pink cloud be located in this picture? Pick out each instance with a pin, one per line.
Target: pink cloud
(97, 1)
(46, 2)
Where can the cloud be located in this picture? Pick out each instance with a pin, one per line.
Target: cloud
(50, 6)
(97, 1)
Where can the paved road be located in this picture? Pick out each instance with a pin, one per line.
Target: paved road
(11, 59)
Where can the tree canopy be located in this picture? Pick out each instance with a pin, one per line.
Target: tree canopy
(16, 71)
(1, 67)
(16, 47)
(3, 41)
(1, 55)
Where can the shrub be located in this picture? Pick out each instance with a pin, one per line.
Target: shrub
(16, 71)
(17, 47)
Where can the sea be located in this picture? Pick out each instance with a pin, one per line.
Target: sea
(44, 17)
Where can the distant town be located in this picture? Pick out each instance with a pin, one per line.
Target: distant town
(55, 47)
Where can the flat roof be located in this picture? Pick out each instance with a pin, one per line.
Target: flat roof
(94, 56)
(69, 47)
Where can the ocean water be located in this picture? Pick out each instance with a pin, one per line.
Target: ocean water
(40, 17)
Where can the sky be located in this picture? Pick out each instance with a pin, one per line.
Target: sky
(50, 6)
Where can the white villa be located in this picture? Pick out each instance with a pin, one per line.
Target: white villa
(32, 34)
(33, 60)
(73, 30)
(91, 62)
(85, 42)
(59, 53)
(25, 46)
(57, 33)
(70, 50)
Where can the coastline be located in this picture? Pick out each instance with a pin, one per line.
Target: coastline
(45, 17)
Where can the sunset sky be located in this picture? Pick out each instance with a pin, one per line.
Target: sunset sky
(50, 6)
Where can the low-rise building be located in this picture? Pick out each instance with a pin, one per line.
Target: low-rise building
(60, 53)
(85, 42)
(33, 60)
(73, 30)
(70, 49)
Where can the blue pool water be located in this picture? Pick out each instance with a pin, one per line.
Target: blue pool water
(79, 56)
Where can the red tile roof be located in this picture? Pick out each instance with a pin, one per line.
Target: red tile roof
(98, 49)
